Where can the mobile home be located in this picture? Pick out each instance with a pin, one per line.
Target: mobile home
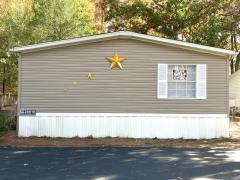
(234, 89)
(123, 84)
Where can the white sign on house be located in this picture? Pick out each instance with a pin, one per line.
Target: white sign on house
(179, 74)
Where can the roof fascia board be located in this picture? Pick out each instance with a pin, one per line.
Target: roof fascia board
(62, 43)
(131, 35)
(186, 45)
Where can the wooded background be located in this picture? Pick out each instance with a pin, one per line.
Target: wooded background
(208, 22)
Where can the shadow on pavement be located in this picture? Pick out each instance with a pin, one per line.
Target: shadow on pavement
(118, 163)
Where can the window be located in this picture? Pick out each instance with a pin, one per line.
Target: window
(181, 81)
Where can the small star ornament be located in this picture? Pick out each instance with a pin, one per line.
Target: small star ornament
(115, 61)
(65, 91)
(89, 76)
(74, 83)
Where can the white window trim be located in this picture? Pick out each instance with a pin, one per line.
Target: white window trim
(196, 97)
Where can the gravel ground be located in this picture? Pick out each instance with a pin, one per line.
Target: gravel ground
(10, 139)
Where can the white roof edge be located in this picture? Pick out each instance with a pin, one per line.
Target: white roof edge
(126, 34)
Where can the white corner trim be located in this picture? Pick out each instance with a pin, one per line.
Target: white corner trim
(123, 34)
(124, 125)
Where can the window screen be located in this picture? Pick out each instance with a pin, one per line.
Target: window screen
(181, 81)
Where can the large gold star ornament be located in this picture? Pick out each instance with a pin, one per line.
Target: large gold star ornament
(115, 61)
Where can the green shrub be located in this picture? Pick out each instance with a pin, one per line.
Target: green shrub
(7, 123)
(2, 121)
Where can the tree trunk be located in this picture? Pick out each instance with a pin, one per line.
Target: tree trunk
(4, 79)
(235, 42)
(232, 65)
(237, 63)
(232, 46)
(232, 60)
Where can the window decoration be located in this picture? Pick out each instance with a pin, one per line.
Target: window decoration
(179, 74)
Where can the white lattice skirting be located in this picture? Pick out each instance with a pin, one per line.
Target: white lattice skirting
(187, 126)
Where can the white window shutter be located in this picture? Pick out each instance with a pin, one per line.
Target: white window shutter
(162, 80)
(201, 81)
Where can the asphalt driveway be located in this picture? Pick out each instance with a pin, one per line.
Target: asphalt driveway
(118, 163)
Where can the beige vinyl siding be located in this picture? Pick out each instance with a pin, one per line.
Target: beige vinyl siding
(234, 89)
(46, 74)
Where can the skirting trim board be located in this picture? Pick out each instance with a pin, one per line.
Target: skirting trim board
(187, 126)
